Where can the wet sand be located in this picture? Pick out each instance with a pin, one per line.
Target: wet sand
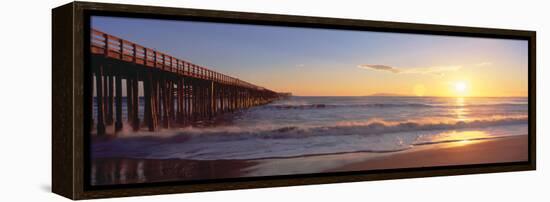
(127, 171)
(507, 149)
(109, 171)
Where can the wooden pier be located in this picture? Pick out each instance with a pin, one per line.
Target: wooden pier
(175, 92)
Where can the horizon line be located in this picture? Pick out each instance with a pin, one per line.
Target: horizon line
(410, 96)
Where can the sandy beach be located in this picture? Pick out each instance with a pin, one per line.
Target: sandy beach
(124, 170)
(506, 149)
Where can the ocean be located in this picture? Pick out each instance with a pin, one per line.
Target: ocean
(303, 126)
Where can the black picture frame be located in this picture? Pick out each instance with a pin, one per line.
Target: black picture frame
(70, 152)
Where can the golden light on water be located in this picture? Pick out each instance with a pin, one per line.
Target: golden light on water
(461, 112)
(459, 101)
(463, 137)
(469, 135)
(462, 143)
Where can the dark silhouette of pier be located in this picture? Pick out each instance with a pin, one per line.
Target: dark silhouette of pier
(176, 92)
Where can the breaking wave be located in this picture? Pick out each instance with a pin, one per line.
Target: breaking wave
(376, 136)
(373, 126)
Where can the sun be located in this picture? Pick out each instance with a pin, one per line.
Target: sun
(460, 87)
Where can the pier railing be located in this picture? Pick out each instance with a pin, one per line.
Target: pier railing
(117, 48)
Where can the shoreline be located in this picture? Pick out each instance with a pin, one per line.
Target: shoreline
(499, 150)
(126, 171)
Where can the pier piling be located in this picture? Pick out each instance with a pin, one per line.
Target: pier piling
(174, 92)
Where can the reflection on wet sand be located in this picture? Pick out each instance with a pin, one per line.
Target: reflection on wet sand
(129, 171)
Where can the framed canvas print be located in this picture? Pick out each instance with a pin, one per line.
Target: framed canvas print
(155, 100)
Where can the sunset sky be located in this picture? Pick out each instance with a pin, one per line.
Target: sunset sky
(325, 62)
